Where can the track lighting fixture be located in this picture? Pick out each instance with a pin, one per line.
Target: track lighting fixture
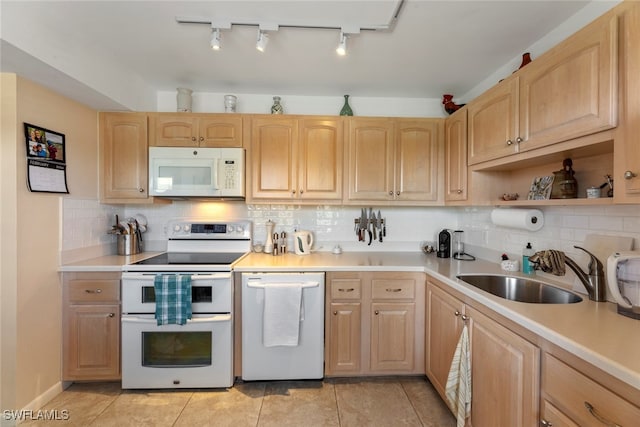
(263, 39)
(342, 46)
(215, 38)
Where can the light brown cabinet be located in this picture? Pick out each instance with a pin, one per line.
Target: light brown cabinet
(455, 157)
(124, 160)
(91, 326)
(393, 160)
(374, 323)
(505, 367)
(568, 92)
(195, 130)
(570, 398)
(627, 144)
(296, 159)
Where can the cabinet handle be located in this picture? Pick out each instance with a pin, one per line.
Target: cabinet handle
(91, 291)
(630, 175)
(335, 313)
(545, 423)
(519, 140)
(459, 191)
(457, 313)
(141, 190)
(346, 289)
(391, 193)
(301, 191)
(293, 191)
(111, 314)
(509, 142)
(599, 417)
(193, 138)
(376, 312)
(464, 317)
(201, 138)
(397, 193)
(393, 289)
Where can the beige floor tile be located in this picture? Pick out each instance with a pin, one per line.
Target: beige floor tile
(238, 406)
(138, 408)
(374, 402)
(426, 401)
(299, 403)
(82, 402)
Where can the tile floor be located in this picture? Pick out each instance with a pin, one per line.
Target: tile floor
(332, 402)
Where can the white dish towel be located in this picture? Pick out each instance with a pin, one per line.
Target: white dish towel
(281, 318)
(458, 388)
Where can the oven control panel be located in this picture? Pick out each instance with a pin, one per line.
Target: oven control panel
(209, 230)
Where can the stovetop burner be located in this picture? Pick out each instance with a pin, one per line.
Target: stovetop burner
(190, 258)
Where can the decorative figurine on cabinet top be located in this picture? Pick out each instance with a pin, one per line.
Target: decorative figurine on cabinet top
(449, 106)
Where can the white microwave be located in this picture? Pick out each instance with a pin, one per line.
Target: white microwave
(181, 172)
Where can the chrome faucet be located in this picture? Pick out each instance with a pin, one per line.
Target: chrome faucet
(594, 280)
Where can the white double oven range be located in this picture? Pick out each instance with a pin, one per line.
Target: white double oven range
(198, 354)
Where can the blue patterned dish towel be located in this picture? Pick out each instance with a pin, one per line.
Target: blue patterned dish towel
(173, 298)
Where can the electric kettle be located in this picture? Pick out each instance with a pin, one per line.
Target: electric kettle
(623, 279)
(302, 242)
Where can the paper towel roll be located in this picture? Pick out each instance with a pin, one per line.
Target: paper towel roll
(522, 219)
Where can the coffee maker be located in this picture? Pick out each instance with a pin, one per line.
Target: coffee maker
(445, 244)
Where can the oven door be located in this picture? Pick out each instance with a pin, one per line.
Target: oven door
(196, 355)
(210, 293)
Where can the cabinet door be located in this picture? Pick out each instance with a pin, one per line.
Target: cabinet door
(344, 338)
(572, 90)
(320, 155)
(627, 143)
(220, 131)
(505, 372)
(273, 158)
(392, 336)
(416, 165)
(444, 325)
(493, 122)
(92, 345)
(371, 162)
(173, 130)
(455, 140)
(124, 156)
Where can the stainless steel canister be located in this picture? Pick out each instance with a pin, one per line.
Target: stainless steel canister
(128, 244)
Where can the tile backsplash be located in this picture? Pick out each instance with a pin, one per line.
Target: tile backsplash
(86, 222)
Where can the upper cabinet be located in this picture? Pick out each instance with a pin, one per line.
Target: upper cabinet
(627, 144)
(124, 168)
(296, 159)
(195, 130)
(393, 160)
(569, 92)
(455, 157)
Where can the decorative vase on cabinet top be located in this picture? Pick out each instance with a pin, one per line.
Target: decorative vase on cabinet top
(276, 108)
(346, 109)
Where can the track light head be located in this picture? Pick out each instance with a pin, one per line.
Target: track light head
(263, 39)
(215, 38)
(342, 46)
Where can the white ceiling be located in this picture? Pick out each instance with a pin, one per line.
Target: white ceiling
(434, 47)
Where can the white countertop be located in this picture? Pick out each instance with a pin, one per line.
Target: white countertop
(592, 331)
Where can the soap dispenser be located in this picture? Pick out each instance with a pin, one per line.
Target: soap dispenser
(527, 266)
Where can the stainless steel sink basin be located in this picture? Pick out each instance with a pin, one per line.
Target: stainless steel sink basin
(521, 289)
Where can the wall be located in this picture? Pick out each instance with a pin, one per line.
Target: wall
(33, 276)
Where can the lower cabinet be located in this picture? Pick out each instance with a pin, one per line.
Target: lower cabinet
(374, 323)
(91, 326)
(505, 366)
(570, 398)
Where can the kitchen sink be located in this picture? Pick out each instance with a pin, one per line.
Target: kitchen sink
(521, 289)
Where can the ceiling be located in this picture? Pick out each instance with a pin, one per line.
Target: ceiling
(433, 47)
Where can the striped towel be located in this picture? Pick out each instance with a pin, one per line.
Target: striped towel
(173, 298)
(549, 261)
(458, 388)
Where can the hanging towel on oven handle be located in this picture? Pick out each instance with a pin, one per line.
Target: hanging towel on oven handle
(282, 314)
(458, 387)
(173, 298)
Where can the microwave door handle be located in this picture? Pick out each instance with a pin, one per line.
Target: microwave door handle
(216, 175)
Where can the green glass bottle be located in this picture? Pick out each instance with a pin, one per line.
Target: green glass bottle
(346, 110)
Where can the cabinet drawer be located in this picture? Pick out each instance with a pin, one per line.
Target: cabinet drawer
(571, 392)
(91, 291)
(345, 289)
(393, 289)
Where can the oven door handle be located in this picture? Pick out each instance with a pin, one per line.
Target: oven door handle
(194, 277)
(212, 319)
(257, 284)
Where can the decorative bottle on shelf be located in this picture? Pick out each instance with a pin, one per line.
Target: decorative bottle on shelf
(527, 267)
(346, 109)
(183, 99)
(276, 108)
